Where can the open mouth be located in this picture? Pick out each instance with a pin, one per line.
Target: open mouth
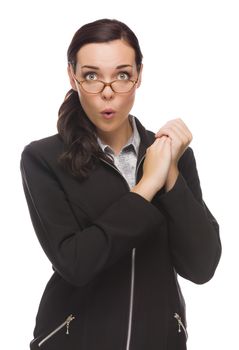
(108, 115)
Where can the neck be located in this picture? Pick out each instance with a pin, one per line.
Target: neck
(116, 140)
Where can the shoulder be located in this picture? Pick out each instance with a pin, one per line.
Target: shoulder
(46, 146)
(45, 143)
(43, 153)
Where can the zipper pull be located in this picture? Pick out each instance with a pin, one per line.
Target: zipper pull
(68, 321)
(178, 318)
(181, 325)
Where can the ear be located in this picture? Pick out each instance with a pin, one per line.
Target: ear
(140, 76)
(72, 81)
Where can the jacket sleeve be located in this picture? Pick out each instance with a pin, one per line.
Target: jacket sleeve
(193, 231)
(76, 252)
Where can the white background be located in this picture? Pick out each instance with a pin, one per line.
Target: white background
(191, 61)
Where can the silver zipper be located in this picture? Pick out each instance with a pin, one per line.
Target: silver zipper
(116, 169)
(132, 282)
(131, 299)
(139, 164)
(132, 263)
(180, 324)
(65, 323)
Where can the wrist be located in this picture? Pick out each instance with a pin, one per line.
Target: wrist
(145, 188)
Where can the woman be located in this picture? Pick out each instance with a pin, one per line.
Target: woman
(117, 209)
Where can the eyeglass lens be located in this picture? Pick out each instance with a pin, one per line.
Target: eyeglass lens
(97, 86)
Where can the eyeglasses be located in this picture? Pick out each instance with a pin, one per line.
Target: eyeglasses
(97, 86)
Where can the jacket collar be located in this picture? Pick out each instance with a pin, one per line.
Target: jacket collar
(146, 139)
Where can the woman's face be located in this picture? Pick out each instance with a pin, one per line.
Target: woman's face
(103, 61)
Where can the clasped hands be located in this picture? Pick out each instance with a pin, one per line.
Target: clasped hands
(161, 161)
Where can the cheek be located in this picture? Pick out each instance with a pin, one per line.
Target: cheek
(87, 102)
(127, 100)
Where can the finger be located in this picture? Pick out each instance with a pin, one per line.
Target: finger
(160, 142)
(181, 139)
(179, 133)
(175, 132)
(176, 123)
(161, 139)
(180, 126)
(168, 131)
(183, 127)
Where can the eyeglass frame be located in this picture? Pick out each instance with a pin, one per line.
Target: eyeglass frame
(105, 84)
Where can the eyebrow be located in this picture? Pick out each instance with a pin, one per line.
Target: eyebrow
(118, 67)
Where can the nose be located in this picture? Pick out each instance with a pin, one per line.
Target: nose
(107, 93)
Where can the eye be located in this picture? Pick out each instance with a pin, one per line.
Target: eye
(90, 76)
(124, 76)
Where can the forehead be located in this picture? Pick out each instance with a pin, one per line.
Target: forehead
(109, 54)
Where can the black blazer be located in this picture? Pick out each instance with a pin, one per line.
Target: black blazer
(104, 294)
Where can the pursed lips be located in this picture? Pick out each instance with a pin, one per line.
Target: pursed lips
(108, 113)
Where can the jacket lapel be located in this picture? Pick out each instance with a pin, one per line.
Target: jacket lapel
(146, 139)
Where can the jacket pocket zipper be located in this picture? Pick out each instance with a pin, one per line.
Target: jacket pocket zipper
(65, 323)
(180, 324)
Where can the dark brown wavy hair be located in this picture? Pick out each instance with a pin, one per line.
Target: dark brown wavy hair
(75, 128)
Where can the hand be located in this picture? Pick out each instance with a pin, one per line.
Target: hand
(180, 137)
(157, 162)
(155, 169)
